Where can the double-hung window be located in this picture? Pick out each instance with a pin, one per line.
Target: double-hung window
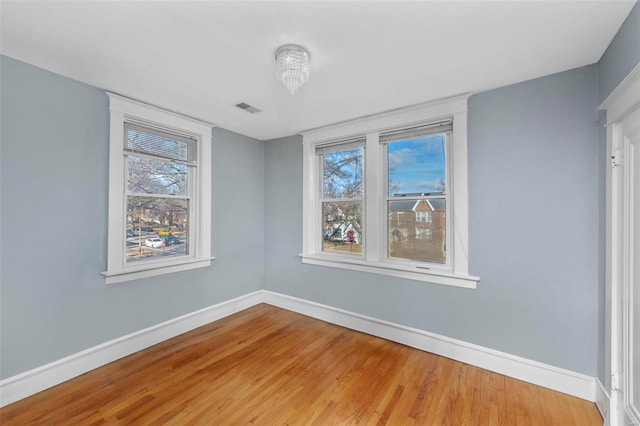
(342, 195)
(159, 192)
(416, 189)
(161, 167)
(388, 194)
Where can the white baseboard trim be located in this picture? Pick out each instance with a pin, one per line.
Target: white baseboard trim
(548, 376)
(603, 402)
(33, 381)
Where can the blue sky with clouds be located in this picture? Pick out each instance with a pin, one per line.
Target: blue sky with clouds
(417, 165)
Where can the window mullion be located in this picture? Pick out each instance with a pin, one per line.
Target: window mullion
(372, 241)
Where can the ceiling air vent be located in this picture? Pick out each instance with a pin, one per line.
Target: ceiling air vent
(246, 107)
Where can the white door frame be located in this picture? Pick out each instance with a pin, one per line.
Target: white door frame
(622, 101)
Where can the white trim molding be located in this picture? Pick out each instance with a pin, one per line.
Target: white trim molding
(624, 99)
(388, 268)
(387, 120)
(28, 383)
(548, 376)
(603, 401)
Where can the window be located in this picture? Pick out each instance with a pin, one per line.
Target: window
(423, 233)
(159, 192)
(423, 217)
(161, 168)
(416, 178)
(342, 195)
(380, 194)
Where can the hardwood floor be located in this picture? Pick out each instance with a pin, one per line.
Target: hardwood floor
(270, 366)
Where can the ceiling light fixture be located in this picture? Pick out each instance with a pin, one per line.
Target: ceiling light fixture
(292, 66)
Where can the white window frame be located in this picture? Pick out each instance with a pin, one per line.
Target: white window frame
(123, 110)
(322, 199)
(374, 258)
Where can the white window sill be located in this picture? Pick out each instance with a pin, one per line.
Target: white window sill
(155, 269)
(392, 269)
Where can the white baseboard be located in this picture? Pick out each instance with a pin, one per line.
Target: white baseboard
(603, 402)
(548, 376)
(33, 381)
(30, 382)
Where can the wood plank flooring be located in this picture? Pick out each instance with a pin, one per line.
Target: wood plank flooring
(269, 366)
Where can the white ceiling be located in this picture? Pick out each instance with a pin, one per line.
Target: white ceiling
(201, 58)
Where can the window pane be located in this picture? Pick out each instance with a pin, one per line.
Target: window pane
(156, 228)
(342, 226)
(417, 230)
(417, 165)
(154, 176)
(149, 141)
(342, 173)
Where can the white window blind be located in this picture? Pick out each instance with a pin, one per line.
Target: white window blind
(445, 126)
(158, 143)
(341, 145)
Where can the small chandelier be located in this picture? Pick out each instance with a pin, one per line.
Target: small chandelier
(292, 66)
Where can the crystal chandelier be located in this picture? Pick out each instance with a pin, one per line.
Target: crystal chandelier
(292, 66)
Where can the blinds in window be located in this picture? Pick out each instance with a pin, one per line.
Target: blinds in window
(342, 145)
(445, 126)
(147, 140)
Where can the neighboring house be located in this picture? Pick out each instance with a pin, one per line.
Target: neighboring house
(413, 220)
(342, 226)
(346, 230)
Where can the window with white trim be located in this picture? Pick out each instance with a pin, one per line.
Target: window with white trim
(159, 192)
(416, 180)
(342, 195)
(423, 233)
(423, 217)
(388, 194)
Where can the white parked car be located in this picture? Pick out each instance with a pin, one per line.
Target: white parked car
(153, 242)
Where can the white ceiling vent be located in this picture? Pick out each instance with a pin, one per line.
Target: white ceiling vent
(249, 108)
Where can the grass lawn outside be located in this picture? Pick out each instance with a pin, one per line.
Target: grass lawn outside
(342, 246)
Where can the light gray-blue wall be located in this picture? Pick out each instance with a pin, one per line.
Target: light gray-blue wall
(534, 220)
(53, 228)
(622, 55)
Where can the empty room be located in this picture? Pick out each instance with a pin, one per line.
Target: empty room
(320, 212)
